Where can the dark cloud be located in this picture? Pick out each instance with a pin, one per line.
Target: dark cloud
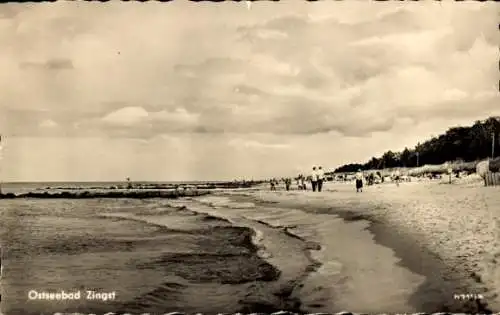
(291, 23)
(69, 27)
(31, 122)
(464, 34)
(330, 39)
(305, 121)
(459, 109)
(403, 17)
(211, 66)
(11, 10)
(248, 90)
(368, 127)
(311, 78)
(51, 64)
(286, 24)
(296, 26)
(59, 64)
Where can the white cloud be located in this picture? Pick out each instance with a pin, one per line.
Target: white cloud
(454, 95)
(179, 115)
(126, 116)
(273, 66)
(48, 123)
(270, 34)
(253, 144)
(409, 41)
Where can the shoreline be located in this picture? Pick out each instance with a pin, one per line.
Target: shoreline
(243, 276)
(295, 285)
(285, 286)
(420, 260)
(268, 293)
(442, 279)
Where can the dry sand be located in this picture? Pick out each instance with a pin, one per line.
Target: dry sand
(458, 223)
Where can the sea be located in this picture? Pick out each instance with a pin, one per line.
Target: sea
(227, 252)
(150, 255)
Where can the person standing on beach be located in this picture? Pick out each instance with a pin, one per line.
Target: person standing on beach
(397, 177)
(300, 182)
(288, 182)
(314, 178)
(273, 186)
(359, 181)
(321, 178)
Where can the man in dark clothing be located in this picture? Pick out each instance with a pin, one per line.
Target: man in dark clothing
(273, 185)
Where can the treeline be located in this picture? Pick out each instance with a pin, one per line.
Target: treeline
(457, 144)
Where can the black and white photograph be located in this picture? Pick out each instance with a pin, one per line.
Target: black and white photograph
(249, 157)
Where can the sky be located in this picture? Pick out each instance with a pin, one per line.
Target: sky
(213, 91)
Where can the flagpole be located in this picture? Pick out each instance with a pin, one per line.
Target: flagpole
(492, 145)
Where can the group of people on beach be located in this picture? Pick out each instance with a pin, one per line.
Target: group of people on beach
(316, 178)
(274, 182)
(396, 177)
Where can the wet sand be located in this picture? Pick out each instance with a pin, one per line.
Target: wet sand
(348, 263)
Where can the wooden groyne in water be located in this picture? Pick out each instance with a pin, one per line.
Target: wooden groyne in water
(136, 191)
(171, 186)
(91, 194)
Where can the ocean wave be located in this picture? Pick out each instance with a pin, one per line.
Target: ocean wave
(224, 202)
(263, 256)
(198, 252)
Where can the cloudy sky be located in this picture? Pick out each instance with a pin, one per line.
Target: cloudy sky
(184, 90)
